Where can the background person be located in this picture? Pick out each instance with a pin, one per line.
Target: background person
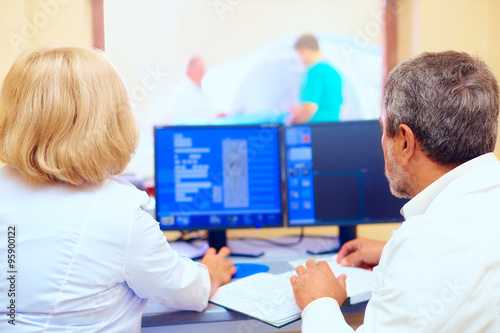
(321, 87)
(189, 104)
(87, 254)
(440, 272)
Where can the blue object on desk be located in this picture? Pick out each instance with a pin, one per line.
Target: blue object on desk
(247, 269)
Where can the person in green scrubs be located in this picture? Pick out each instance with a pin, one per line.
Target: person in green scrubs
(321, 88)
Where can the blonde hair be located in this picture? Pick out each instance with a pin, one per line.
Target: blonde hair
(65, 116)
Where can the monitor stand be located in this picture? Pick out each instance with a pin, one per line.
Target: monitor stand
(346, 233)
(218, 239)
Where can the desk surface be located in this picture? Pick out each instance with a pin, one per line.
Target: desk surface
(275, 257)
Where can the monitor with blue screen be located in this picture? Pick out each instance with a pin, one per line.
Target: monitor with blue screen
(218, 178)
(335, 176)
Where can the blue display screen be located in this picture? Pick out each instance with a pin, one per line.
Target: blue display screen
(299, 165)
(335, 175)
(218, 177)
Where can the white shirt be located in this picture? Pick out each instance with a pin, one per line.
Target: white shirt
(188, 105)
(440, 271)
(88, 258)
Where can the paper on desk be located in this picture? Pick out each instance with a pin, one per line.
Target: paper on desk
(192, 250)
(359, 281)
(264, 296)
(269, 297)
(298, 262)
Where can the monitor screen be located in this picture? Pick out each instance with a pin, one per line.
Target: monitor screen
(335, 175)
(218, 177)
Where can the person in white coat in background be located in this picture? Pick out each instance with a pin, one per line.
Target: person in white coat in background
(440, 271)
(86, 256)
(188, 104)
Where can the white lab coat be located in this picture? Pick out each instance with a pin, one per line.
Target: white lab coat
(88, 258)
(188, 105)
(440, 272)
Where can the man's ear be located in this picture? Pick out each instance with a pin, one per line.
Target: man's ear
(405, 144)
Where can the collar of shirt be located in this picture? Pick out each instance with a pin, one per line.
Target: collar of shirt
(419, 204)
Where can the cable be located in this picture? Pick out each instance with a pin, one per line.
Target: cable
(270, 241)
(185, 233)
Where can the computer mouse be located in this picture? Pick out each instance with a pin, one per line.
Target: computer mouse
(247, 269)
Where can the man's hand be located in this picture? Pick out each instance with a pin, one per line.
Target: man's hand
(220, 269)
(303, 113)
(361, 252)
(317, 280)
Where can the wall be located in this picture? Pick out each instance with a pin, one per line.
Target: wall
(28, 24)
(472, 26)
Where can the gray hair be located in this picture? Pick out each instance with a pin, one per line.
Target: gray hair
(449, 99)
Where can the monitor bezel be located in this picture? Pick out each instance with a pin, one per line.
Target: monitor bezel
(282, 195)
(339, 223)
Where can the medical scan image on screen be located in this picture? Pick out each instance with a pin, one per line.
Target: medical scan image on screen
(218, 177)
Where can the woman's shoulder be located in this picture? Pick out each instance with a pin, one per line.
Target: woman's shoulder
(113, 196)
(120, 192)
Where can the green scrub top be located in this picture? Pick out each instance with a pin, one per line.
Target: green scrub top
(322, 85)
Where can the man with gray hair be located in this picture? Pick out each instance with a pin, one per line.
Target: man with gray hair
(440, 271)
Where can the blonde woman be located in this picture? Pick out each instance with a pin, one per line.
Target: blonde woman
(86, 255)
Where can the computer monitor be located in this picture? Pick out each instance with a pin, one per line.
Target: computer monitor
(218, 177)
(335, 176)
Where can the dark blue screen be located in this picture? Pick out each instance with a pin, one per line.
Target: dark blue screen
(335, 175)
(218, 177)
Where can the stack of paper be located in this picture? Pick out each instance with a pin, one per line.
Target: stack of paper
(359, 281)
(269, 297)
(264, 296)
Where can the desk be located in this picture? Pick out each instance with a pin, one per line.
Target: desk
(217, 319)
